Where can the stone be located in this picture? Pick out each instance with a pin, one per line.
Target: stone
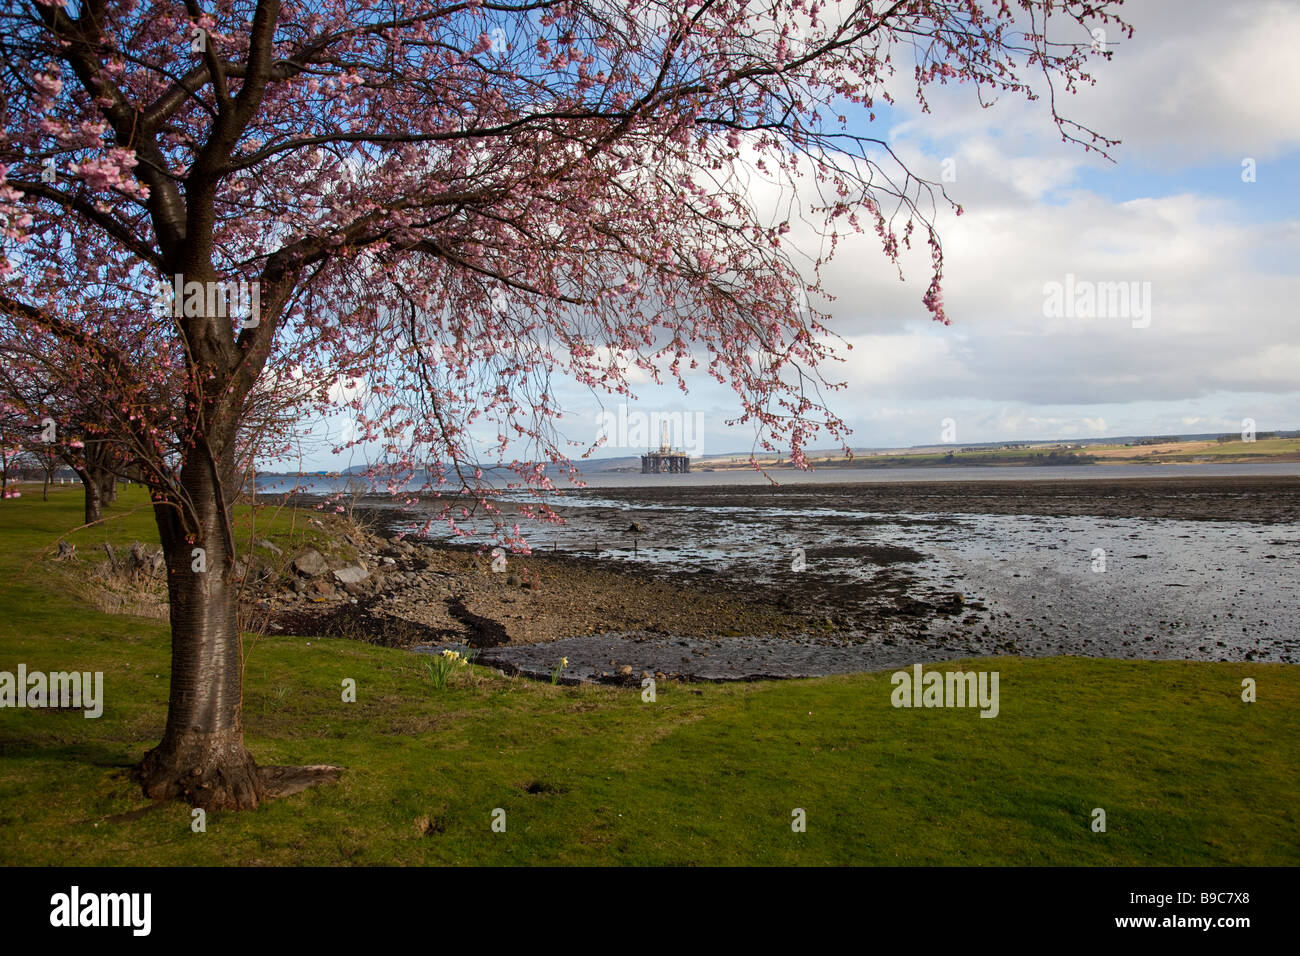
(323, 586)
(625, 670)
(352, 574)
(310, 563)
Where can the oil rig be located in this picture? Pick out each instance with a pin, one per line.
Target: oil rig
(667, 460)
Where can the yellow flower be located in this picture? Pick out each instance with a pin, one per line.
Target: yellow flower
(564, 662)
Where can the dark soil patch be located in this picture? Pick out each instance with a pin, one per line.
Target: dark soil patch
(358, 622)
(483, 631)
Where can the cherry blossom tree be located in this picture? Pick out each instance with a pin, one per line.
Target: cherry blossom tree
(443, 207)
(108, 420)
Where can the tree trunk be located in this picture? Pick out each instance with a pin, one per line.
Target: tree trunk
(94, 503)
(108, 487)
(201, 758)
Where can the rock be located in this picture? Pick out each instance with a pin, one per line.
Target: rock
(635, 528)
(352, 574)
(514, 580)
(323, 586)
(645, 675)
(625, 670)
(299, 585)
(270, 546)
(387, 562)
(310, 563)
(354, 589)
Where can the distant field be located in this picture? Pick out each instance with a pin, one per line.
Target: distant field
(1264, 450)
(1267, 449)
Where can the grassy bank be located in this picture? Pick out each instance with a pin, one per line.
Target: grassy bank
(1186, 772)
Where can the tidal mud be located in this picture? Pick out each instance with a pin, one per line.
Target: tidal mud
(839, 578)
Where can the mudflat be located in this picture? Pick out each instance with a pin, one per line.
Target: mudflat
(743, 582)
(1254, 498)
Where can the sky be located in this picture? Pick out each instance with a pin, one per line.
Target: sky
(1198, 217)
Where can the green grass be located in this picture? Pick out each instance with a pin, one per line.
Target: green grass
(1186, 772)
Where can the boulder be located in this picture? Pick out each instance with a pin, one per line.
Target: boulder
(310, 563)
(352, 574)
